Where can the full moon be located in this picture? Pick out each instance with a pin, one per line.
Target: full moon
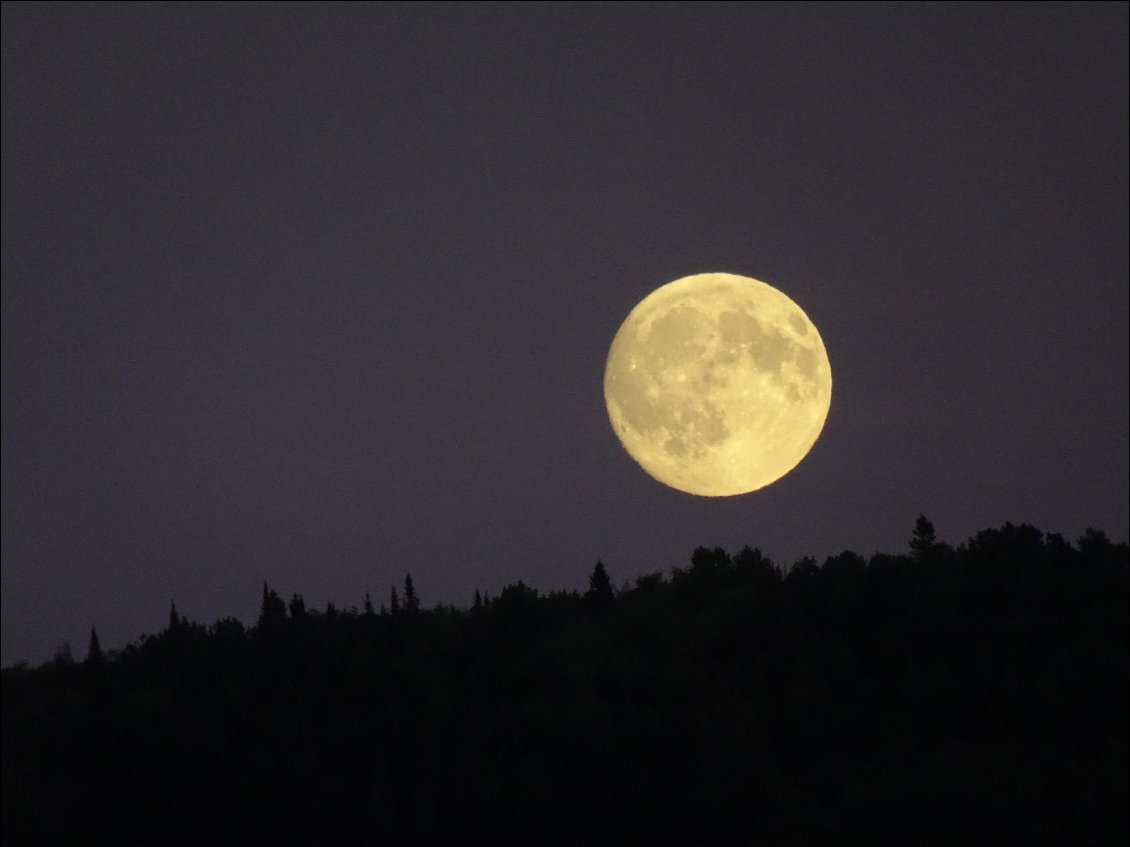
(717, 384)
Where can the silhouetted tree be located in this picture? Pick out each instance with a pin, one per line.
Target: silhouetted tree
(368, 605)
(923, 541)
(845, 564)
(804, 569)
(515, 611)
(599, 596)
(1096, 549)
(228, 631)
(847, 701)
(174, 618)
(411, 601)
(94, 653)
(273, 609)
(751, 564)
(649, 582)
(297, 606)
(1011, 546)
(706, 561)
(394, 602)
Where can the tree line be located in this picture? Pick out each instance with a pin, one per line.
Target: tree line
(967, 694)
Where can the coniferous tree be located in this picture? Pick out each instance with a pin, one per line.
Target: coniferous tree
(600, 594)
(273, 608)
(174, 618)
(791, 677)
(411, 601)
(368, 605)
(297, 606)
(94, 654)
(477, 603)
(923, 540)
(394, 602)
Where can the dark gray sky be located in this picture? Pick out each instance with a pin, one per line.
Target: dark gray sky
(322, 294)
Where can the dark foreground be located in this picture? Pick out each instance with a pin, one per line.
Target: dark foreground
(976, 695)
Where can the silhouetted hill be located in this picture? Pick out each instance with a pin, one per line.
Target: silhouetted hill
(944, 696)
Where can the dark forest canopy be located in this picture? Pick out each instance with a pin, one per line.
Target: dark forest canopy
(975, 694)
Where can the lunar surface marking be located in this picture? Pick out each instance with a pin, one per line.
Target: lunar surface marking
(717, 384)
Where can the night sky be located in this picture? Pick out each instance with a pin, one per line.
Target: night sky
(323, 294)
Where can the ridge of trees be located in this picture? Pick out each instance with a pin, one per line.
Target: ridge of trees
(941, 695)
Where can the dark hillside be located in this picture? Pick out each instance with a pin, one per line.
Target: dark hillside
(947, 696)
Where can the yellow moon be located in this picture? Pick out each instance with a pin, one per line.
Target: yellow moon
(717, 384)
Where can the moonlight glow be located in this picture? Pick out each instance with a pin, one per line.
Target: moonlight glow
(717, 384)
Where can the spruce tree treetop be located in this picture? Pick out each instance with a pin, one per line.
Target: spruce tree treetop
(600, 594)
(923, 540)
(94, 654)
(273, 608)
(411, 601)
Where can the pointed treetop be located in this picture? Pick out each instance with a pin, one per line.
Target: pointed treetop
(411, 601)
(297, 606)
(600, 586)
(922, 540)
(94, 654)
(273, 608)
